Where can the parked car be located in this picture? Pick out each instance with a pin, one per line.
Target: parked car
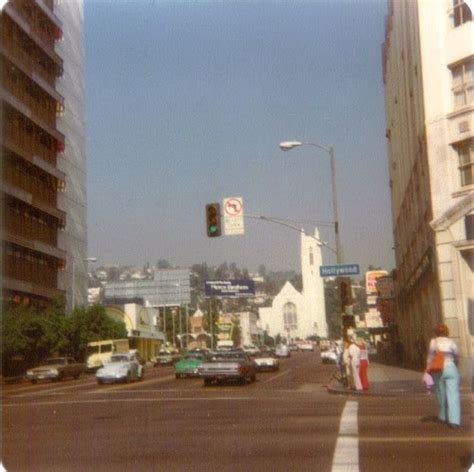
(329, 356)
(282, 350)
(189, 364)
(293, 347)
(228, 366)
(166, 357)
(56, 368)
(251, 349)
(123, 367)
(267, 361)
(307, 346)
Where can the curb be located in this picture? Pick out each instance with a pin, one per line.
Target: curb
(335, 389)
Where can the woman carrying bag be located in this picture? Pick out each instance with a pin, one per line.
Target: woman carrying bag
(443, 356)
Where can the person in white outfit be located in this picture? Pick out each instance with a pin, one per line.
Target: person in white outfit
(354, 356)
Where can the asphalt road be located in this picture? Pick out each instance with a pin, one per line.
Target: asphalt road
(286, 421)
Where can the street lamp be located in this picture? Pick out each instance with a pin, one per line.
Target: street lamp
(87, 259)
(287, 146)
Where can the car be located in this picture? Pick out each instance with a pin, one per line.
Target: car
(166, 357)
(267, 361)
(122, 367)
(282, 350)
(56, 368)
(251, 349)
(329, 356)
(228, 366)
(293, 347)
(306, 346)
(189, 364)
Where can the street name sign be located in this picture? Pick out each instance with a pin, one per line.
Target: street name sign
(233, 216)
(339, 270)
(230, 288)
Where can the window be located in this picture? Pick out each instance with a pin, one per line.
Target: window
(290, 319)
(465, 152)
(463, 84)
(311, 256)
(461, 12)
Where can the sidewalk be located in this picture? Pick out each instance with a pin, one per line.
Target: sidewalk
(386, 381)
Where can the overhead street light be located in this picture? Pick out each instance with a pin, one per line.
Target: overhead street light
(287, 146)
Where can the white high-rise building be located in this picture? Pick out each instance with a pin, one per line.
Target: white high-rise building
(296, 314)
(428, 61)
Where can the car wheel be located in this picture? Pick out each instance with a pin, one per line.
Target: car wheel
(253, 378)
(100, 382)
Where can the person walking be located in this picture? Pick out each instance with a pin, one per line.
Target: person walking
(354, 356)
(364, 364)
(447, 380)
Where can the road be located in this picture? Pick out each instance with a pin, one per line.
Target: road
(286, 421)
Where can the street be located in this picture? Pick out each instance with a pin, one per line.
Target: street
(285, 421)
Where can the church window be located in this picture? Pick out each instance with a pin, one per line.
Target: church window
(290, 319)
(311, 256)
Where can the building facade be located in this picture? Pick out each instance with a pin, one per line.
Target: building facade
(428, 71)
(42, 95)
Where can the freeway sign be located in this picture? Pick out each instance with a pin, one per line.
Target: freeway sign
(339, 270)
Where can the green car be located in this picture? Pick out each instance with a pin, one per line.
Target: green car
(188, 365)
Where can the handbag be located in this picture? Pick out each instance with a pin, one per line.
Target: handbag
(437, 363)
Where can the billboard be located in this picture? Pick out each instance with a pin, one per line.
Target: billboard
(230, 288)
(371, 280)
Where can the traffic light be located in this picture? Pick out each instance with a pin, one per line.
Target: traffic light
(213, 220)
(346, 293)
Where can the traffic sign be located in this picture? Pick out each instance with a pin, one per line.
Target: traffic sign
(233, 216)
(338, 270)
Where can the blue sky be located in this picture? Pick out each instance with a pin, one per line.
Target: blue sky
(186, 103)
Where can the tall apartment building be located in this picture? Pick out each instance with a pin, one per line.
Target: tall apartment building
(43, 152)
(428, 60)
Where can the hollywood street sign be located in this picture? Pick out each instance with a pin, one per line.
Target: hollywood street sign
(230, 288)
(339, 270)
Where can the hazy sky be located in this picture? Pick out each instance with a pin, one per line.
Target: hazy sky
(186, 104)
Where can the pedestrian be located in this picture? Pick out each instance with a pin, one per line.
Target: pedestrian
(354, 356)
(446, 380)
(364, 364)
(346, 360)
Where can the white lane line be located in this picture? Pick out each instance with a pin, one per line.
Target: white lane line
(271, 379)
(346, 455)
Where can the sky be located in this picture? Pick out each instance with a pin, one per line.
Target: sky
(186, 103)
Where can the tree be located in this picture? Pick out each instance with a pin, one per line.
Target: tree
(87, 324)
(29, 336)
(163, 264)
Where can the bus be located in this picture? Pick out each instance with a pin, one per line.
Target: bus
(99, 352)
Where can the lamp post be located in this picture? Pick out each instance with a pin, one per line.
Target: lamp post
(287, 146)
(87, 259)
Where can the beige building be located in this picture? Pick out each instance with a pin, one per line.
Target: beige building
(428, 70)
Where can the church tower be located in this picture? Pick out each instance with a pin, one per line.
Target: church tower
(313, 320)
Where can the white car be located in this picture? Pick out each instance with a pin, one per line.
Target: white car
(267, 361)
(251, 350)
(123, 367)
(306, 346)
(282, 350)
(329, 356)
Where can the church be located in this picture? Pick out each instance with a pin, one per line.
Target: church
(295, 314)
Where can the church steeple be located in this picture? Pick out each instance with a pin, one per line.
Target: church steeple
(313, 286)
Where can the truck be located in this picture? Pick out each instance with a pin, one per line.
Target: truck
(100, 352)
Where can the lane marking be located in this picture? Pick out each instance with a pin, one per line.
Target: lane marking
(271, 379)
(346, 454)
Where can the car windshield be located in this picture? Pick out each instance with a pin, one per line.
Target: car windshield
(56, 361)
(119, 359)
(232, 355)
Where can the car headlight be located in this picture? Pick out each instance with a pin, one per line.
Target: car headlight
(29, 372)
(53, 371)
